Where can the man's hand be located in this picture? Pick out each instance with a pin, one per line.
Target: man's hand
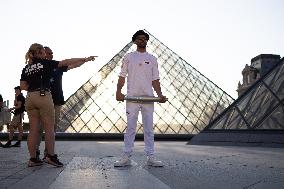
(90, 58)
(119, 96)
(163, 99)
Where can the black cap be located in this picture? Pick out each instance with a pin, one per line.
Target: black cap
(140, 32)
(18, 87)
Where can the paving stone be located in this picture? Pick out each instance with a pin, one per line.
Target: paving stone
(7, 183)
(89, 164)
(85, 173)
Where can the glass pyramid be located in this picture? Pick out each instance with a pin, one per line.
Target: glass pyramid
(261, 107)
(193, 99)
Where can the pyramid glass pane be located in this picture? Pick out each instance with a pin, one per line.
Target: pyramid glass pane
(261, 106)
(275, 120)
(193, 100)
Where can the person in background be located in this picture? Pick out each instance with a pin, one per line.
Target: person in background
(56, 86)
(5, 116)
(1, 106)
(35, 79)
(1, 102)
(141, 70)
(57, 95)
(17, 121)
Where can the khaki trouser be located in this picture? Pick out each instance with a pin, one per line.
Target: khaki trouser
(40, 106)
(16, 123)
(17, 120)
(57, 109)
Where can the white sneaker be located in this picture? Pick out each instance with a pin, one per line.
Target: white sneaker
(154, 163)
(124, 161)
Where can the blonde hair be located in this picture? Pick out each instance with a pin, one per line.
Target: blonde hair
(32, 52)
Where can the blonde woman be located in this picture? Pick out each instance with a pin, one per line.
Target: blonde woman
(35, 79)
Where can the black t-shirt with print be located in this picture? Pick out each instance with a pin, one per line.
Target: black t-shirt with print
(20, 110)
(38, 74)
(56, 85)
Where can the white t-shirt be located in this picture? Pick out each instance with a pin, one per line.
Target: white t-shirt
(140, 69)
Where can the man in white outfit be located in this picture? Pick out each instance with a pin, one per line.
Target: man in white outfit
(141, 70)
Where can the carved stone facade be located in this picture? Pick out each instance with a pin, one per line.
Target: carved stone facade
(260, 65)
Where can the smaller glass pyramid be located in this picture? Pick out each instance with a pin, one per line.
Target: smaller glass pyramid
(260, 107)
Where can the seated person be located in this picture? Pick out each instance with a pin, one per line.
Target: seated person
(16, 123)
(5, 116)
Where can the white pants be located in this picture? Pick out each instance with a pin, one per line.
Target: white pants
(132, 111)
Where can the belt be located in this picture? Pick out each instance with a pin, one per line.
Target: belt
(38, 89)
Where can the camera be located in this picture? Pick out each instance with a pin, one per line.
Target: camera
(42, 92)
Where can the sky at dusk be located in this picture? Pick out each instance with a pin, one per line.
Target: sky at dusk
(217, 37)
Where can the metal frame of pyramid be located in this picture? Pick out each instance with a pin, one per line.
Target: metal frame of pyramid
(261, 107)
(194, 101)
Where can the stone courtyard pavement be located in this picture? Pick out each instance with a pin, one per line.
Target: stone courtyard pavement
(89, 164)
